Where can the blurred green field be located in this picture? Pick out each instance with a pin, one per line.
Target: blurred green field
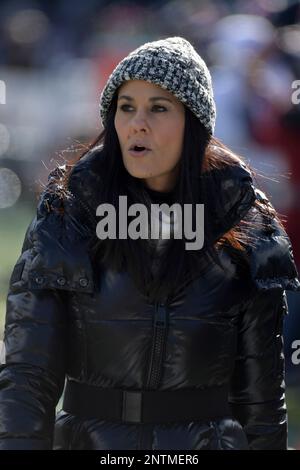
(293, 406)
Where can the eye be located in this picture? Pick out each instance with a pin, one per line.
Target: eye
(125, 106)
(161, 107)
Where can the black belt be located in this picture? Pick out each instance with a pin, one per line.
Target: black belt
(147, 406)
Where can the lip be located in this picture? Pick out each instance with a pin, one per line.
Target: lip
(135, 153)
(139, 143)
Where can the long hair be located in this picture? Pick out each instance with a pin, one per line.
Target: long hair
(201, 153)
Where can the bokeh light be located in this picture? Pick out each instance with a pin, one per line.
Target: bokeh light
(10, 188)
(27, 26)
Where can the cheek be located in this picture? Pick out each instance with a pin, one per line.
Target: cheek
(120, 128)
(173, 137)
(173, 128)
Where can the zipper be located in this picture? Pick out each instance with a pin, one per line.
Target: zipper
(155, 367)
(158, 345)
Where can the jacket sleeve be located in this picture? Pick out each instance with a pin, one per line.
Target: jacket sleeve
(32, 377)
(257, 389)
(257, 393)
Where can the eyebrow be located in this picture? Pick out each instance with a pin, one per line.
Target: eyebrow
(154, 98)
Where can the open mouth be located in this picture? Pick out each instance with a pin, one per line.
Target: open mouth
(137, 150)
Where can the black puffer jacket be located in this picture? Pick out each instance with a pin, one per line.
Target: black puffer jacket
(65, 320)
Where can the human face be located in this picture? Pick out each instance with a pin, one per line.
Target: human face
(154, 118)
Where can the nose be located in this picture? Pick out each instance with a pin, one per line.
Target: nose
(139, 122)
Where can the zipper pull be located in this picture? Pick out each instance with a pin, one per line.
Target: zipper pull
(160, 318)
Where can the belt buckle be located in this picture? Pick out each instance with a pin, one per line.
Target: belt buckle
(132, 406)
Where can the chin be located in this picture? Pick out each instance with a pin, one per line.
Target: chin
(137, 172)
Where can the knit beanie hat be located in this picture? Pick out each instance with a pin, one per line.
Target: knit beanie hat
(173, 64)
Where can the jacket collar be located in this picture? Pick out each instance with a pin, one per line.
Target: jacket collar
(233, 196)
(269, 259)
(231, 201)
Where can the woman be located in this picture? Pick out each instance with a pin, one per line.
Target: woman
(162, 347)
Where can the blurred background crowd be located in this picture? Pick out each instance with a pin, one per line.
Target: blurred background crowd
(55, 57)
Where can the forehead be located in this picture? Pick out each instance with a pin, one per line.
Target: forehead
(141, 87)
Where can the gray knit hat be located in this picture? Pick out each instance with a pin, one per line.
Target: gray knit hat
(173, 64)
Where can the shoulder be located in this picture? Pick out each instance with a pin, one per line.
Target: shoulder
(268, 252)
(86, 176)
(55, 251)
(72, 190)
(239, 204)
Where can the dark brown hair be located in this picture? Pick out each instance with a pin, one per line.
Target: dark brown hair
(202, 154)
